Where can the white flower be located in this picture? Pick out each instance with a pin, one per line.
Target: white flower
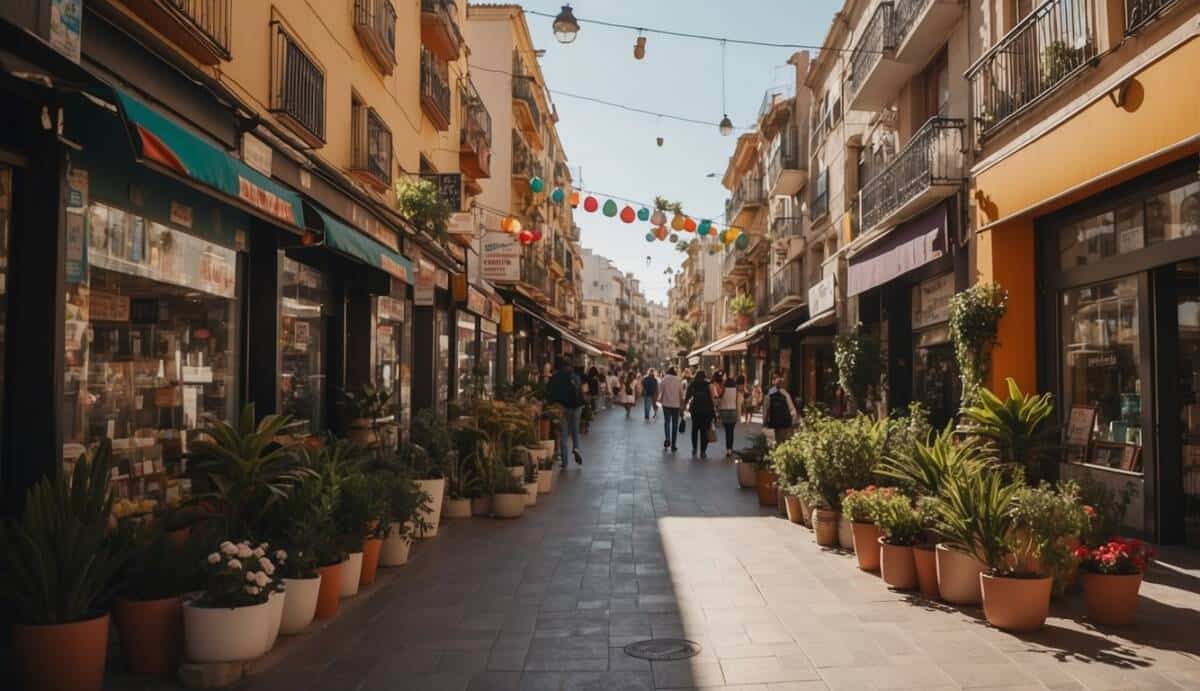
(250, 576)
(265, 546)
(214, 558)
(259, 552)
(228, 548)
(244, 551)
(266, 565)
(280, 556)
(262, 579)
(235, 564)
(252, 589)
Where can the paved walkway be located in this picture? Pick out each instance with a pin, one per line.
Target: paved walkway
(642, 544)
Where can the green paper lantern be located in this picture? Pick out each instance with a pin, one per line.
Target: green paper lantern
(702, 230)
(649, 237)
(610, 208)
(742, 242)
(557, 196)
(643, 214)
(536, 184)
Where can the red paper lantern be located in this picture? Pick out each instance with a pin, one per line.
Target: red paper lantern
(590, 204)
(660, 232)
(525, 237)
(690, 225)
(628, 214)
(537, 235)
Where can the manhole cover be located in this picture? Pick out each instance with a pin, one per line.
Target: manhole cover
(661, 649)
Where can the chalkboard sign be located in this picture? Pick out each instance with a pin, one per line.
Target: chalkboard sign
(449, 187)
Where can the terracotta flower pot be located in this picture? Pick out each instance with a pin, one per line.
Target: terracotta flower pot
(925, 558)
(436, 489)
(508, 505)
(866, 544)
(825, 525)
(481, 506)
(845, 533)
(330, 591)
(372, 547)
(1111, 600)
(457, 508)
(301, 604)
(62, 656)
(897, 566)
(351, 573)
(543, 429)
(747, 475)
(395, 547)
(806, 513)
(225, 634)
(1016, 604)
(151, 635)
(764, 482)
(958, 576)
(792, 505)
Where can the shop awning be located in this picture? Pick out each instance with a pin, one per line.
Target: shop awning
(345, 240)
(163, 142)
(823, 319)
(910, 246)
(739, 341)
(724, 340)
(566, 333)
(613, 356)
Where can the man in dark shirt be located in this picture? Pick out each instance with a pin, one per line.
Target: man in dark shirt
(564, 388)
(650, 394)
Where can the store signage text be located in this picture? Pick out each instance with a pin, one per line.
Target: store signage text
(267, 202)
(501, 257)
(931, 301)
(821, 296)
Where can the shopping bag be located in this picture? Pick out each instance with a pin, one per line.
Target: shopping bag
(682, 425)
(712, 435)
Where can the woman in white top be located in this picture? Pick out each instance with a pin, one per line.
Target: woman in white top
(726, 394)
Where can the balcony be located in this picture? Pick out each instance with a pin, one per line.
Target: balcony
(927, 170)
(297, 88)
(785, 227)
(788, 288)
(876, 75)
(525, 106)
(818, 200)
(199, 27)
(524, 164)
(1045, 50)
(435, 89)
(370, 148)
(786, 173)
(439, 29)
(375, 24)
(1138, 13)
(475, 139)
(921, 28)
(735, 266)
(747, 198)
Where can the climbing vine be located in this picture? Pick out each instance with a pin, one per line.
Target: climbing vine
(975, 315)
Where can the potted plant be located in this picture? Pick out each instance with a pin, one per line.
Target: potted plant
(1015, 430)
(975, 315)
(353, 512)
(788, 465)
(860, 507)
(58, 565)
(433, 436)
(407, 506)
(900, 529)
(925, 551)
(374, 412)
(1112, 576)
(1047, 524)
(297, 527)
(509, 499)
(750, 459)
(327, 467)
(531, 484)
(742, 305)
(374, 530)
(462, 473)
(546, 474)
(231, 619)
(842, 456)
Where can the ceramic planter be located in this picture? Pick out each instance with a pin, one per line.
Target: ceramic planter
(372, 547)
(1016, 604)
(275, 604)
(151, 634)
(531, 492)
(747, 475)
(457, 508)
(351, 574)
(481, 506)
(395, 547)
(765, 484)
(300, 606)
(223, 634)
(508, 505)
(517, 471)
(958, 576)
(330, 590)
(1111, 600)
(866, 544)
(845, 533)
(896, 566)
(925, 559)
(546, 481)
(791, 504)
(436, 489)
(825, 525)
(62, 656)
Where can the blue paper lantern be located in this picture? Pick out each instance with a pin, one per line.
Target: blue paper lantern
(649, 237)
(705, 226)
(674, 238)
(742, 242)
(536, 184)
(557, 196)
(643, 214)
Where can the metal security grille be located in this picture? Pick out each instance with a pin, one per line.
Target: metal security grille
(297, 84)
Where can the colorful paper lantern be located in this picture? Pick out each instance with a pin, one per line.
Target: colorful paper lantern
(658, 218)
(649, 237)
(574, 199)
(643, 214)
(705, 224)
(525, 237)
(557, 196)
(590, 204)
(537, 184)
(678, 223)
(506, 224)
(660, 232)
(628, 215)
(537, 235)
(702, 231)
(674, 238)
(690, 224)
(610, 208)
(742, 242)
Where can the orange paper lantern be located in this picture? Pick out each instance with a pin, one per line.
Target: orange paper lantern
(690, 224)
(660, 232)
(574, 199)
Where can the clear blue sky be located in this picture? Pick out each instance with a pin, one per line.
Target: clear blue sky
(616, 149)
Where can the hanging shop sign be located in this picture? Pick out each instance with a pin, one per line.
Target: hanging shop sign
(501, 257)
(477, 302)
(821, 296)
(425, 289)
(931, 301)
(66, 27)
(181, 215)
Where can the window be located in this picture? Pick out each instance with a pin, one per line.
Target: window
(1131, 225)
(936, 82)
(371, 144)
(297, 87)
(304, 293)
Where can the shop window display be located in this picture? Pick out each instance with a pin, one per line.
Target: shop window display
(487, 349)
(441, 330)
(1168, 215)
(304, 295)
(151, 346)
(392, 353)
(468, 383)
(6, 205)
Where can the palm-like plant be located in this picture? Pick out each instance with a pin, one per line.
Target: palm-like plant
(1015, 429)
(975, 515)
(924, 467)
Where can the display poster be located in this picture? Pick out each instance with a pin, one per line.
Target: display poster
(107, 307)
(931, 301)
(821, 296)
(1080, 424)
(181, 214)
(501, 257)
(66, 27)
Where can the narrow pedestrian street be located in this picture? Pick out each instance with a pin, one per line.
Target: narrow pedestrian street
(640, 544)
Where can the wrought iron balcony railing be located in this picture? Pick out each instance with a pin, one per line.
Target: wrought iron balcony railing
(934, 156)
(786, 157)
(787, 227)
(1138, 13)
(209, 18)
(435, 88)
(375, 22)
(788, 282)
(371, 145)
(523, 91)
(477, 121)
(297, 86)
(443, 14)
(749, 192)
(904, 15)
(878, 38)
(1054, 43)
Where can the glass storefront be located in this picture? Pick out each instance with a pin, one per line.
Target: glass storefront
(935, 376)
(470, 382)
(151, 342)
(441, 365)
(488, 346)
(393, 353)
(304, 295)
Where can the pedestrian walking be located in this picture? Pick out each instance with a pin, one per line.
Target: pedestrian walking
(628, 390)
(670, 397)
(728, 405)
(565, 389)
(593, 383)
(650, 394)
(779, 412)
(700, 405)
(613, 384)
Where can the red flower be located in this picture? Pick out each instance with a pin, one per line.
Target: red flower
(1089, 510)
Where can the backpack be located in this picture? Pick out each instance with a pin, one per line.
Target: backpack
(779, 415)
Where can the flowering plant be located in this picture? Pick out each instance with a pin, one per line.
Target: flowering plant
(862, 505)
(239, 575)
(1117, 557)
(898, 521)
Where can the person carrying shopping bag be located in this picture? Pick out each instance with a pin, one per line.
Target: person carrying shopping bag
(700, 405)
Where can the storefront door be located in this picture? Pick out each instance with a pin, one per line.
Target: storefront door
(392, 355)
(305, 299)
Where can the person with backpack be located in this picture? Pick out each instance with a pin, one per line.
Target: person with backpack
(700, 405)
(565, 389)
(650, 394)
(779, 412)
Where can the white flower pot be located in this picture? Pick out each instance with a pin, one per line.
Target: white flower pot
(276, 603)
(436, 489)
(300, 605)
(395, 547)
(225, 634)
(531, 492)
(457, 508)
(351, 573)
(845, 533)
(508, 505)
(547, 445)
(546, 481)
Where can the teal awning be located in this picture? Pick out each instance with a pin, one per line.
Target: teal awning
(350, 242)
(162, 141)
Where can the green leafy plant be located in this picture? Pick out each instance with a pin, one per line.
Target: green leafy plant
(859, 361)
(843, 455)
(787, 461)
(898, 521)
(757, 453)
(418, 200)
(862, 505)
(975, 516)
(359, 506)
(975, 315)
(742, 304)
(1016, 429)
(1044, 518)
(58, 564)
(683, 335)
(432, 434)
(925, 468)
(157, 568)
(302, 526)
(1106, 507)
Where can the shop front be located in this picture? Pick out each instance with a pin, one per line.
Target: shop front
(815, 377)
(435, 332)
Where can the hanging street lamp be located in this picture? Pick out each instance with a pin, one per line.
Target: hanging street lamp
(726, 126)
(566, 27)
